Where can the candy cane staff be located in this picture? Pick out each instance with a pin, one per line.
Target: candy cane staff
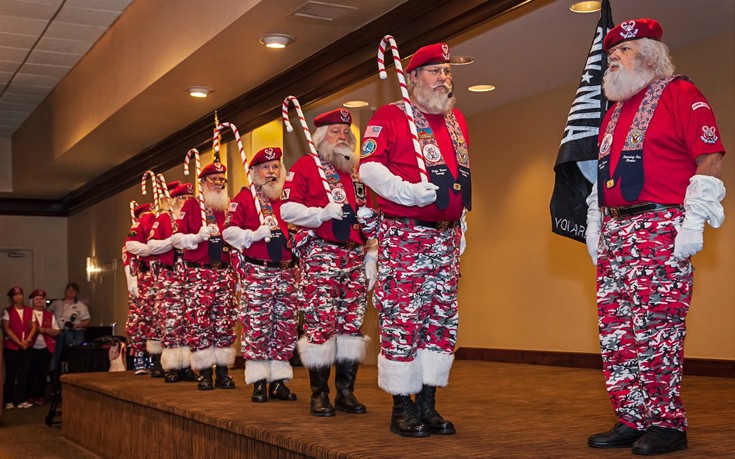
(270, 298)
(420, 235)
(209, 280)
(333, 258)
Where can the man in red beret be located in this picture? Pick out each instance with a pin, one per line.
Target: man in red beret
(643, 225)
(336, 265)
(420, 238)
(267, 270)
(166, 343)
(209, 280)
(140, 311)
(19, 329)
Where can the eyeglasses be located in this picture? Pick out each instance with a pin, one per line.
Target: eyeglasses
(436, 71)
(216, 181)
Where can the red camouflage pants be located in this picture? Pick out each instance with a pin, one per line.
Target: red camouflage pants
(172, 307)
(134, 328)
(335, 291)
(268, 312)
(141, 313)
(416, 290)
(210, 311)
(643, 296)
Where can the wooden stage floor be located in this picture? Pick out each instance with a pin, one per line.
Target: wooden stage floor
(500, 411)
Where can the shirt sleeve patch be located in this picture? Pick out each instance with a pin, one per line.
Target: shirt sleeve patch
(232, 207)
(373, 131)
(286, 194)
(290, 176)
(697, 105)
(368, 148)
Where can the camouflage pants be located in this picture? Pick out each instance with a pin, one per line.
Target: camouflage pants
(416, 290)
(268, 312)
(210, 311)
(643, 296)
(140, 317)
(134, 327)
(335, 291)
(171, 307)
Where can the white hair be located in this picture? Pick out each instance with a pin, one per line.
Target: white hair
(657, 53)
(321, 132)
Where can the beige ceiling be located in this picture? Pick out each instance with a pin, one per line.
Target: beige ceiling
(129, 91)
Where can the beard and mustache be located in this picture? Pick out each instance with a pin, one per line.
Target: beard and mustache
(622, 84)
(435, 99)
(270, 186)
(216, 199)
(340, 155)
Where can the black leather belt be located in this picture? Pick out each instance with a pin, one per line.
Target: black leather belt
(144, 267)
(635, 209)
(288, 264)
(208, 265)
(349, 245)
(440, 225)
(163, 266)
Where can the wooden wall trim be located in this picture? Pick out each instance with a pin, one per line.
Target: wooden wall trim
(692, 366)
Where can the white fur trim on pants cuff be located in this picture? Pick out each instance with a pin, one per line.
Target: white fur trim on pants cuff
(203, 358)
(224, 356)
(255, 370)
(399, 378)
(153, 347)
(317, 355)
(435, 367)
(351, 348)
(185, 357)
(281, 369)
(171, 358)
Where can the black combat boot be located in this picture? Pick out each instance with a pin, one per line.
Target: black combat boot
(172, 376)
(156, 368)
(405, 420)
(205, 379)
(320, 405)
(426, 402)
(277, 390)
(620, 436)
(187, 374)
(224, 380)
(660, 440)
(260, 394)
(344, 381)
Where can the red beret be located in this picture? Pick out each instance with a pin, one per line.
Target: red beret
(140, 208)
(632, 30)
(265, 155)
(184, 188)
(214, 168)
(338, 116)
(15, 291)
(37, 292)
(172, 185)
(438, 53)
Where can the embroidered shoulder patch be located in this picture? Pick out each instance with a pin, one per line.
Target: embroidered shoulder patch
(368, 148)
(290, 176)
(232, 207)
(373, 131)
(285, 194)
(697, 105)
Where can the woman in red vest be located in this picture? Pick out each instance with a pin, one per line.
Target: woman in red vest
(43, 347)
(20, 331)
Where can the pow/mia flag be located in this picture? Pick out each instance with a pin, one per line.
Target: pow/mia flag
(576, 161)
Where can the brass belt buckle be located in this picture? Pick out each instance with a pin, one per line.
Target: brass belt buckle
(442, 225)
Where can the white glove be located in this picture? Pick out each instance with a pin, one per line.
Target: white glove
(462, 245)
(371, 263)
(137, 248)
(243, 238)
(701, 204)
(300, 215)
(159, 246)
(331, 211)
(132, 283)
(594, 224)
(394, 188)
(263, 232)
(463, 228)
(203, 234)
(184, 241)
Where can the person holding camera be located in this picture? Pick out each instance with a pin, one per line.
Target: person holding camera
(74, 315)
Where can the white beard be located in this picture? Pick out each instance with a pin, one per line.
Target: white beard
(436, 102)
(271, 189)
(622, 84)
(216, 200)
(341, 156)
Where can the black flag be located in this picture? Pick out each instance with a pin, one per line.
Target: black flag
(576, 162)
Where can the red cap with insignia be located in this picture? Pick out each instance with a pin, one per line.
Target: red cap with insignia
(632, 30)
(141, 208)
(172, 185)
(438, 53)
(265, 155)
(182, 189)
(214, 168)
(37, 292)
(15, 291)
(338, 116)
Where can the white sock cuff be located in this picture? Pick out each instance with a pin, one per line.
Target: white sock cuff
(224, 356)
(399, 378)
(351, 348)
(255, 370)
(281, 369)
(435, 367)
(185, 352)
(317, 355)
(203, 358)
(171, 358)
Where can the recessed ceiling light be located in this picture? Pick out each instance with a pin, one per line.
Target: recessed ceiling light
(199, 91)
(461, 60)
(355, 104)
(481, 88)
(276, 40)
(586, 7)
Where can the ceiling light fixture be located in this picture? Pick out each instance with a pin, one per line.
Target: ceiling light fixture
(355, 104)
(199, 91)
(481, 88)
(586, 7)
(276, 40)
(461, 60)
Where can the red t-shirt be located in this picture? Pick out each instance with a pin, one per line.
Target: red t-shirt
(682, 128)
(304, 186)
(162, 229)
(189, 222)
(393, 148)
(140, 230)
(242, 214)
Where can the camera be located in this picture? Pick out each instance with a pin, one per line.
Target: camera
(69, 324)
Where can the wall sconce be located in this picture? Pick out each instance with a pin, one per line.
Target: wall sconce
(93, 269)
(199, 91)
(276, 40)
